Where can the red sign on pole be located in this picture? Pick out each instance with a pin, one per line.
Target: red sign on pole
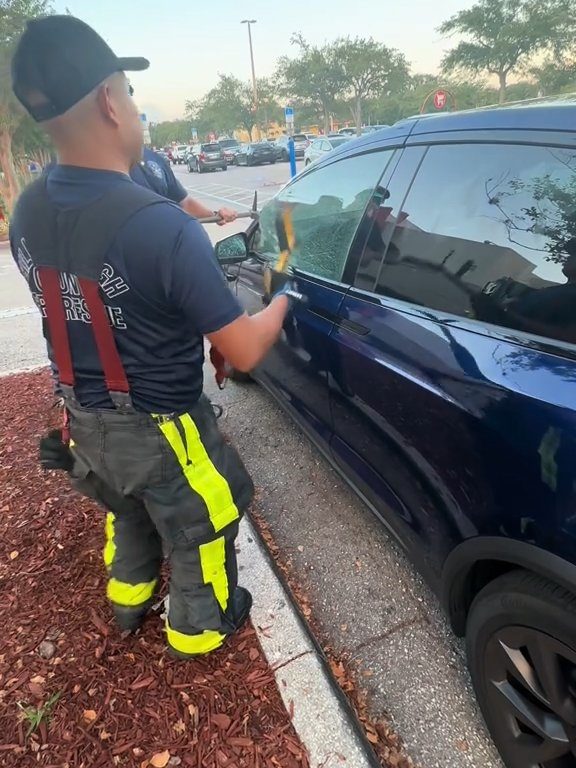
(440, 99)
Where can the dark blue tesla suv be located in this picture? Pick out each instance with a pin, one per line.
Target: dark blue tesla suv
(434, 364)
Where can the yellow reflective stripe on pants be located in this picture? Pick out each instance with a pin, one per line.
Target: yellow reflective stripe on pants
(213, 562)
(200, 472)
(194, 645)
(109, 546)
(129, 595)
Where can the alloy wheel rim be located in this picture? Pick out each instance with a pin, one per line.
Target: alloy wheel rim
(531, 697)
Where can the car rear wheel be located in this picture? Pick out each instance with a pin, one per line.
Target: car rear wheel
(521, 646)
(285, 156)
(199, 167)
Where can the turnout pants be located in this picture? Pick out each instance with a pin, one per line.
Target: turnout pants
(168, 482)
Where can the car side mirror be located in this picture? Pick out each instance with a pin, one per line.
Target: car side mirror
(232, 250)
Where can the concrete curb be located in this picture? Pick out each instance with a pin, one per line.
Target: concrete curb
(318, 713)
(16, 371)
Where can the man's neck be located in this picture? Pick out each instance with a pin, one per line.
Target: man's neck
(94, 161)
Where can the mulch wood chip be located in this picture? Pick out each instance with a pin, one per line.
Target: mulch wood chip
(74, 693)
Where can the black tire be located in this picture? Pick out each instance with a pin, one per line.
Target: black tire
(199, 167)
(224, 167)
(272, 162)
(285, 156)
(521, 646)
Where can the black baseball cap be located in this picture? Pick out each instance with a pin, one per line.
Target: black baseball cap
(58, 61)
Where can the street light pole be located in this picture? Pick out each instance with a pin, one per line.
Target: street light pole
(249, 22)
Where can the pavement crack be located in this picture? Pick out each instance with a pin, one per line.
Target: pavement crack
(413, 622)
(282, 664)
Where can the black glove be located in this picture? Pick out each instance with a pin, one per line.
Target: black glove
(294, 296)
(54, 453)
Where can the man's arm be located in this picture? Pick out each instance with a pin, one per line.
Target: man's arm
(194, 282)
(199, 211)
(246, 341)
(178, 194)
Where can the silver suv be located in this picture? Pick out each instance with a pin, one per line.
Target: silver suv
(301, 144)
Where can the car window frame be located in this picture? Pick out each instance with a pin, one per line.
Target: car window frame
(516, 137)
(394, 145)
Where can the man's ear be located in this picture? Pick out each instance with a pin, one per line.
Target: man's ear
(105, 99)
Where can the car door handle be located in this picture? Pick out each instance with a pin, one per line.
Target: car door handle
(341, 322)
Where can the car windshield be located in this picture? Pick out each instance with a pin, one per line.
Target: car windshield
(227, 143)
(211, 147)
(300, 137)
(337, 142)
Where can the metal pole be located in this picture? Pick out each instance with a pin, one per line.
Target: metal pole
(292, 154)
(254, 85)
(249, 22)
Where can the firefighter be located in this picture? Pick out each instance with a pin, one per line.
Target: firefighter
(128, 286)
(154, 172)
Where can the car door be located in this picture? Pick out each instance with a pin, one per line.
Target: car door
(450, 412)
(325, 204)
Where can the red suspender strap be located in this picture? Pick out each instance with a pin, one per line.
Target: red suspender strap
(56, 319)
(114, 373)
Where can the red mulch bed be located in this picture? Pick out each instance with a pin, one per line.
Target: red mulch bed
(122, 701)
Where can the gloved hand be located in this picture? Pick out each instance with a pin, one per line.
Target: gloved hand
(294, 296)
(54, 453)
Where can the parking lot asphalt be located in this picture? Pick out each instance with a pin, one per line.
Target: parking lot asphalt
(366, 596)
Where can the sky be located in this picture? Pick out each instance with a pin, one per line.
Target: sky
(189, 42)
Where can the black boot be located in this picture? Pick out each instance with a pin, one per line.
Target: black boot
(238, 609)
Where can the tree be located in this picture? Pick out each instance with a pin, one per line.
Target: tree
(314, 79)
(227, 106)
(555, 77)
(269, 110)
(13, 17)
(369, 69)
(503, 34)
(163, 134)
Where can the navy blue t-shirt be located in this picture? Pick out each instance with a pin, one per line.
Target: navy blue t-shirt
(163, 290)
(155, 172)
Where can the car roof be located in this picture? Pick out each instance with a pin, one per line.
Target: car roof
(552, 114)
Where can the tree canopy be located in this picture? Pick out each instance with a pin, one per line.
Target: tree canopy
(501, 35)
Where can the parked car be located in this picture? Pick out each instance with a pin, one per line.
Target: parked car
(256, 153)
(230, 147)
(321, 146)
(180, 154)
(434, 365)
(207, 157)
(373, 128)
(301, 143)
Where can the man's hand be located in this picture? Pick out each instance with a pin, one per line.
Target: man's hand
(292, 294)
(54, 453)
(227, 216)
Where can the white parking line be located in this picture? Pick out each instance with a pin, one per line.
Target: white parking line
(202, 193)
